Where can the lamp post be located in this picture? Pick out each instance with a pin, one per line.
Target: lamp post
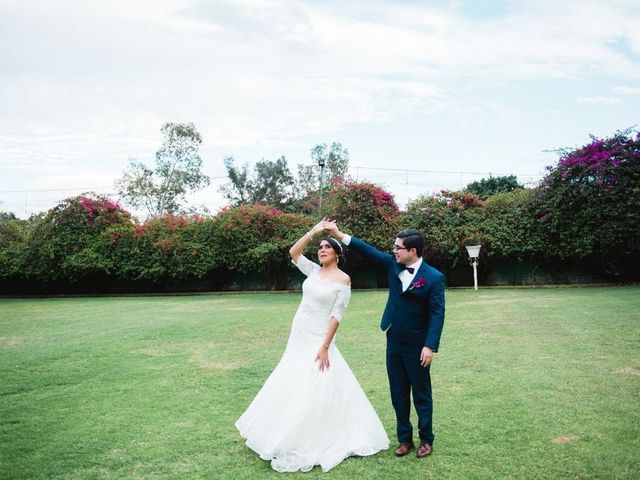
(321, 164)
(474, 253)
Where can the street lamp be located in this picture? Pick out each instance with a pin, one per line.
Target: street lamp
(321, 164)
(474, 253)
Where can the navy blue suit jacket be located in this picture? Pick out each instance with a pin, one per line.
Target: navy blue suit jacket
(416, 316)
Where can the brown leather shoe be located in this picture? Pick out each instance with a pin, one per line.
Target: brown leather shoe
(403, 449)
(424, 450)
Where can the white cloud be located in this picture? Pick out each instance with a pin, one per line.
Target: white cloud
(241, 56)
(608, 101)
(626, 90)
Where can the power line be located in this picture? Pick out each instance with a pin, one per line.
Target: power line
(356, 167)
(403, 170)
(412, 177)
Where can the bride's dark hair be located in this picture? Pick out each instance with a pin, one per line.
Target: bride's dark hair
(337, 247)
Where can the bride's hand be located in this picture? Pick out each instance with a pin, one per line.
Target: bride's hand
(323, 358)
(319, 227)
(330, 226)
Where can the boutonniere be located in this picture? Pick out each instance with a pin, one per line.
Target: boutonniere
(419, 283)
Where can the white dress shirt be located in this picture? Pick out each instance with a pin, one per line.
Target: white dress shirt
(406, 278)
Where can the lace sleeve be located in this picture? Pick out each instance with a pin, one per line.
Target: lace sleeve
(342, 302)
(305, 265)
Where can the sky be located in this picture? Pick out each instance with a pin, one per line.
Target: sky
(425, 95)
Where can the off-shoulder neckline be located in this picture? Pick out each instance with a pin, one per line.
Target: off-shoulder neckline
(317, 268)
(328, 280)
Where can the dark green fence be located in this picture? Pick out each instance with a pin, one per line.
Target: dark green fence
(491, 273)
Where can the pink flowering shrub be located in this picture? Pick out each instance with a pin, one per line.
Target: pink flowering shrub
(168, 247)
(449, 221)
(588, 203)
(71, 240)
(366, 210)
(257, 238)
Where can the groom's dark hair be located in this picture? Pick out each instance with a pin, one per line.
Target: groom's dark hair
(412, 238)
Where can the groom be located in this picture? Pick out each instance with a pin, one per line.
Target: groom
(413, 320)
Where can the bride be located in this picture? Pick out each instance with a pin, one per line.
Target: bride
(311, 410)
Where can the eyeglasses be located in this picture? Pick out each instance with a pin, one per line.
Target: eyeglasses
(398, 247)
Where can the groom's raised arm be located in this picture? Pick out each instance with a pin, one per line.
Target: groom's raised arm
(363, 248)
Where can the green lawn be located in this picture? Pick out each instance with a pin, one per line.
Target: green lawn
(529, 383)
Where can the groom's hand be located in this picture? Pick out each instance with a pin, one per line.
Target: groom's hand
(331, 227)
(426, 357)
(319, 227)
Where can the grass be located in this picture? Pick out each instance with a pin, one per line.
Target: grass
(535, 383)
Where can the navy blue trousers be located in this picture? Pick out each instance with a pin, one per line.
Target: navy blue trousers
(408, 378)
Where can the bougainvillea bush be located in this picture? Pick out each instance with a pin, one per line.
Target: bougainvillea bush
(69, 242)
(510, 229)
(169, 247)
(364, 210)
(588, 205)
(449, 221)
(257, 238)
(13, 248)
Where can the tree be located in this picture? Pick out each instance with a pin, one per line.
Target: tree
(177, 172)
(238, 191)
(274, 183)
(336, 166)
(6, 216)
(487, 187)
(271, 183)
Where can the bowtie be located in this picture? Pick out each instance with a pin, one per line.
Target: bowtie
(408, 269)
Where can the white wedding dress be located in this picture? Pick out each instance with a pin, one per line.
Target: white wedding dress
(303, 416)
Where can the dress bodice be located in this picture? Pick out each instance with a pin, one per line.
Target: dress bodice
(322, 299)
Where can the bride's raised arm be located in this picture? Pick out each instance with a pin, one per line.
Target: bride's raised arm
(296, 250)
